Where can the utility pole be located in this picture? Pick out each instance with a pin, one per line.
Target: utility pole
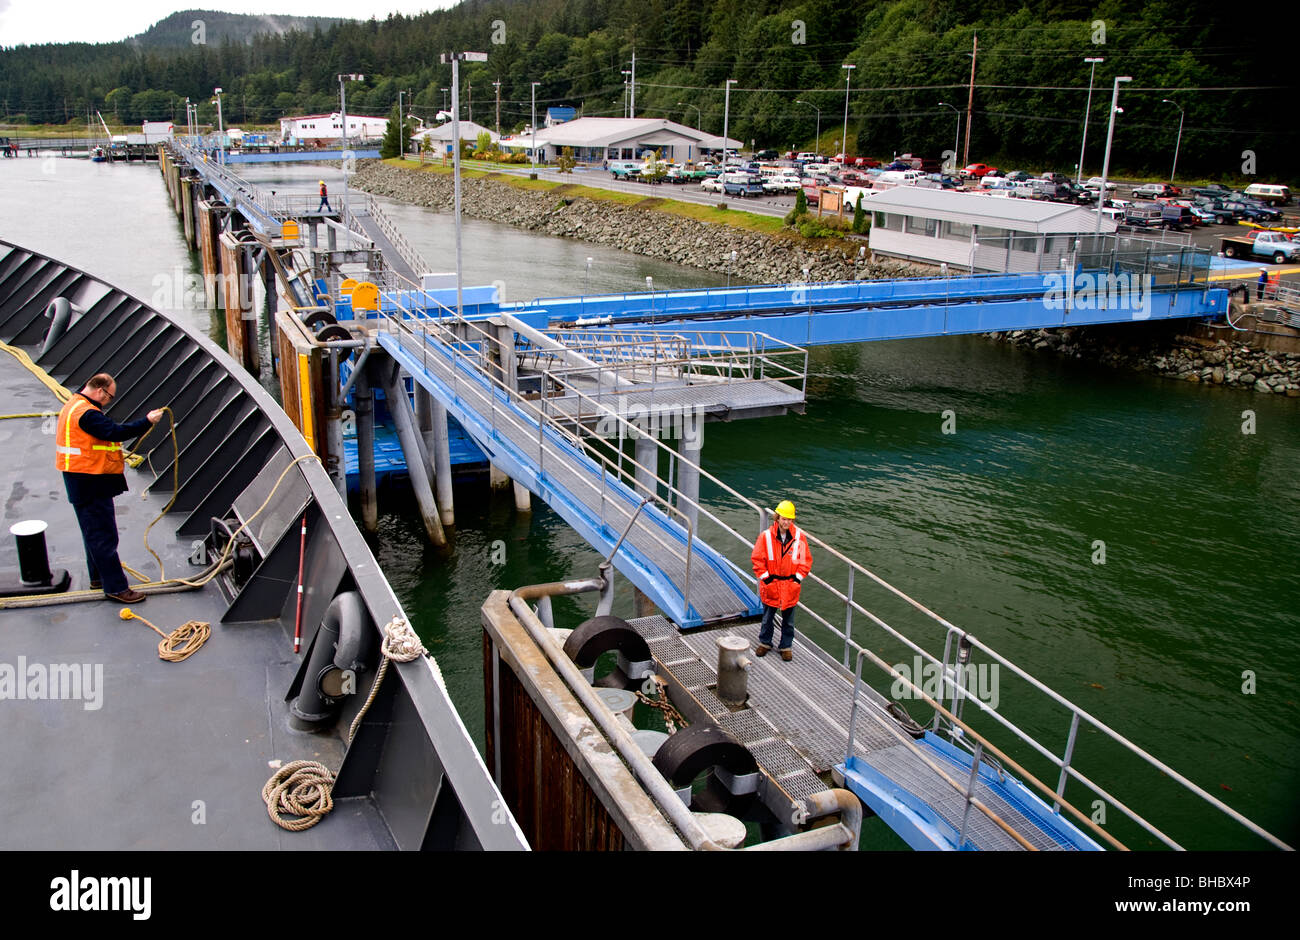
(401, 150)
(497, 86)
(632, 108)
(469, 86)
(726, 118)
(970, 101)
(534, 124)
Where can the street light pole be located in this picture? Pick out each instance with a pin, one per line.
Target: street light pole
(956, 137)
(818, 140)
(844, 140)
(1179, 141)
(1110, 136)
(455, 58)
(1087, 110)
(221, 129)
(534, 147)
(726, 118)
(699, 115)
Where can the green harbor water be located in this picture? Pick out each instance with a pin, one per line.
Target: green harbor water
(1186, 639)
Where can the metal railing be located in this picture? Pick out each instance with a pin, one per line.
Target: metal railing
(470, 360)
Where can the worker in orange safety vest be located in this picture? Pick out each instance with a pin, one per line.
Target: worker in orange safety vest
(88, 450)
(781, 560)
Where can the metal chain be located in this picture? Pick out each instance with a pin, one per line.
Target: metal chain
(672, 717)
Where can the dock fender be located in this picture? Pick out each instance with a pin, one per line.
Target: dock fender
(732, 784)
(602, 634)
(336, 657)
(61, 313)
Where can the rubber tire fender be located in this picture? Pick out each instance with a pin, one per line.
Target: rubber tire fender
(318, 318)
(701, 747)
(602, 634)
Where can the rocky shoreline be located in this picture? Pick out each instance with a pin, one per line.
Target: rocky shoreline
(760, 258)
(771, 259)
(1185, 358)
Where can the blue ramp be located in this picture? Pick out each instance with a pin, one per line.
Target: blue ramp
(927, 812)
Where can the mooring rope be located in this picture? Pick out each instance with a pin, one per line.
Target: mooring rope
(303, 788)
(400, 644)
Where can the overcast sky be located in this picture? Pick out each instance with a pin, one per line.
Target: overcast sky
(38, 21)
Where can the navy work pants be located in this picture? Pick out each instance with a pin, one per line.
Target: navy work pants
(98, 523)
(787, 627)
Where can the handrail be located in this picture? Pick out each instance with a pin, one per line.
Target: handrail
(543, 422)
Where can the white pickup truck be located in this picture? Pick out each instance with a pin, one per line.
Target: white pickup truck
(1277, 246)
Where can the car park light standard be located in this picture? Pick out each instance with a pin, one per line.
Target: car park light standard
(957, 137)
(1110, 136)
(1179, 141)
(844, 141)
(1087, 110)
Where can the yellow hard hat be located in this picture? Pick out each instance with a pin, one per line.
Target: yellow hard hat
(321, 183)
(785, 508)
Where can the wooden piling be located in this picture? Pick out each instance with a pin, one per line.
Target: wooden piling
(364, 400)
(233, 299)
(208, 226)
(187, 210)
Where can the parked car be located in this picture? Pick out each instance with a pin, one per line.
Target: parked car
(1155, 191)
(1178, 217)
(1144, 215)
(781, 184)
(1270, 193)
(1054, 177)
(712, 184)
(1019, 176)
(974, 171)
(1094, 183)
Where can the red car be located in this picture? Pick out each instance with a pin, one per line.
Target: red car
(979, 171)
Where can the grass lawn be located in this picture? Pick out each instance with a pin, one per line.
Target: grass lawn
(736, 218)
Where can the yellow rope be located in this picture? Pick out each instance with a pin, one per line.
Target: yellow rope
(301, 788)
(31, 414)
(181, 643)
(61, 393)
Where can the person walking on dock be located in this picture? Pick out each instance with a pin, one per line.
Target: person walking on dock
(781, 561)
(88, 449)
(324, 198)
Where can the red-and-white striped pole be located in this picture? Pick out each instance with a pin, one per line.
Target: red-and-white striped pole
(297, 619)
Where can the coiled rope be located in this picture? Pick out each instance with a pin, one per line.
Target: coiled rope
(181, 643)
(303, 788)
(300, 788)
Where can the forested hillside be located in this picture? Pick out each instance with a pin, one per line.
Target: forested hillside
(1031, 82)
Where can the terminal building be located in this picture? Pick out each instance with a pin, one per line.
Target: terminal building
(321, 130)
(977, 232)
(596, 140)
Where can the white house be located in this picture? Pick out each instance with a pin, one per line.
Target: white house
(439, 137)
(328, 128)
(980, 232)
(597, 139)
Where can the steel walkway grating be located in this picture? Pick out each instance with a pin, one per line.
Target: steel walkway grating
(797, 723)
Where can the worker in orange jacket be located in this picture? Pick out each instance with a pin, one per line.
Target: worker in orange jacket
(88, 449)
(781, 560)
